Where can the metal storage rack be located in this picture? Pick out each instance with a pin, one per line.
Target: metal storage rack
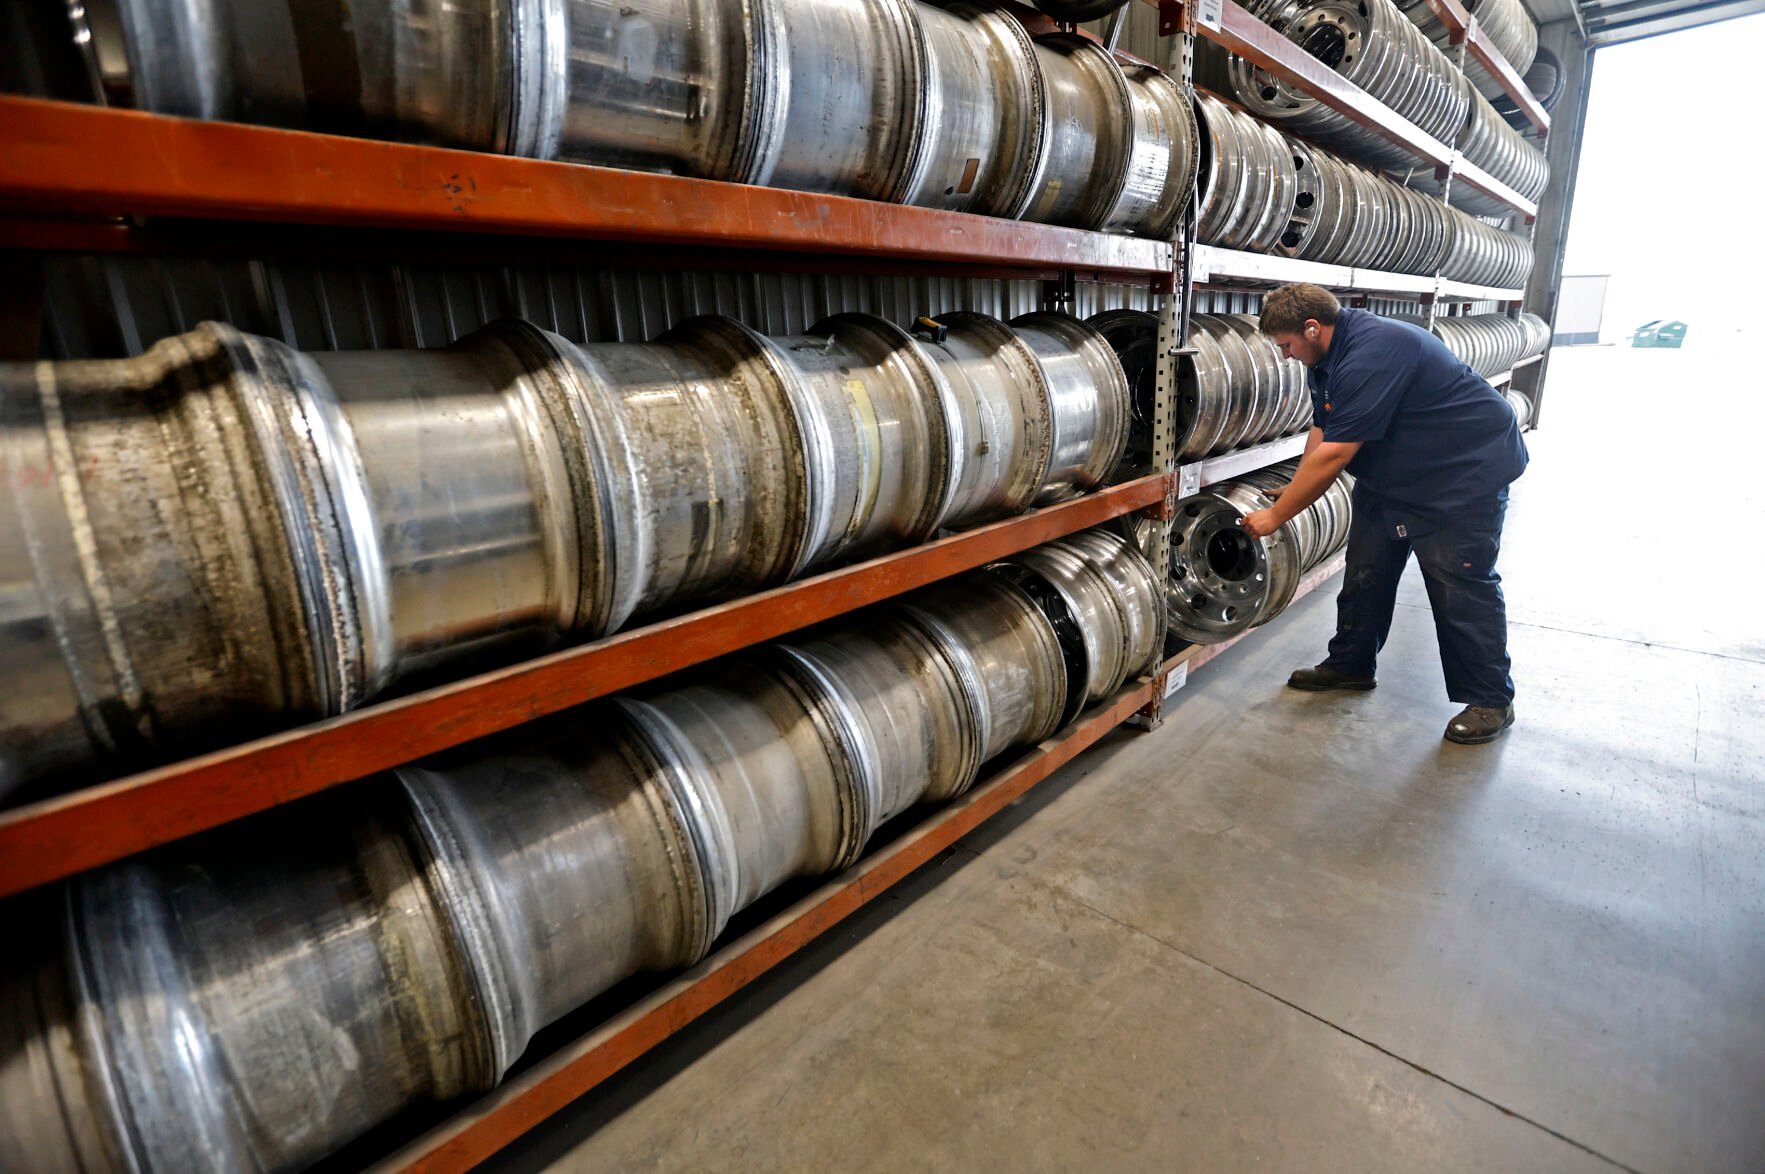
(81, 179)
(73, 169)
(1239, 32)
(1229, 25)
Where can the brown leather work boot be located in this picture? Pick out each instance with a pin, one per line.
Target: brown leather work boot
(1478, 724)
(1317, 680)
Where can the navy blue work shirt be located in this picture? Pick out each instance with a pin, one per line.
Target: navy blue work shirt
(1437, 441)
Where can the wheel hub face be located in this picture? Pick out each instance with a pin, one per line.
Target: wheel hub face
(1219, 574)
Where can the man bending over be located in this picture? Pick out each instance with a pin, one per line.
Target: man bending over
(1433, 448)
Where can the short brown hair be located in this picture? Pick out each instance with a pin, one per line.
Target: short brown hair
(1286, 310)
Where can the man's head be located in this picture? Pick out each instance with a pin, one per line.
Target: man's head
(1301, 318)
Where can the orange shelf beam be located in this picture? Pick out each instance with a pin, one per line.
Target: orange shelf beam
(67, 160)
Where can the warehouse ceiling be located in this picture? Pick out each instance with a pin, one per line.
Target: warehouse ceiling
(1612, 22)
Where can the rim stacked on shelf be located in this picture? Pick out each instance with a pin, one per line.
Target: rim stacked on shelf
(948, 107)
(1521, 405)
(1493, 343)
(1505, 22)
(1247, 184)
(265, 993)
(1545, 79)
(1236, 389)
(1489, 142)
(225, 535)
(1263, 191)
(1222, 581)
(1483, 255)
(1371, 44)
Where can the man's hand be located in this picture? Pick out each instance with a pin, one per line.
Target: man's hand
(1317, 469)
(1261, 524)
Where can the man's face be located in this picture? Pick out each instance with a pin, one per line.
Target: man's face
(1304, 344)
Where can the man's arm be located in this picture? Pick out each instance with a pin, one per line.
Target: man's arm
(1323, 460)
(1366, 394)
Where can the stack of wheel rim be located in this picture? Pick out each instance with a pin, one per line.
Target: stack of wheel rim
(1362, 219)
(1235, 389)
(1482, 254)
(1545, 79)
(1493, 343)
(317, 528)
(1264, 191)
(1489, 142)
(1367, 221)
(1538, 334)
(1521, 405)
(1222, 581)
(1102, 598)
(1248, 185)
(953, 107)
(1505, 22)
(1373, 45)
(398, 941)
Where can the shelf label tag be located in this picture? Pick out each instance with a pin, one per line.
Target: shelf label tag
(1188, 480)
(1176, 678)
(1210, 12)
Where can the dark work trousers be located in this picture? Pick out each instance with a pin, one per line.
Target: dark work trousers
(1458, 564)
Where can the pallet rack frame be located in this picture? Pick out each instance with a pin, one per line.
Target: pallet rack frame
(81, 179)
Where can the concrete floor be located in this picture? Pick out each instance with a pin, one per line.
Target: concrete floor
(1302, 932)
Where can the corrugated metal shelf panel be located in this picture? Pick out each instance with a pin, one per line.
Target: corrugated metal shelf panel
(1241, 33)
(1464, 26)
(67, 160)
(114, 306)
(1216, 266)
(61, 836)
